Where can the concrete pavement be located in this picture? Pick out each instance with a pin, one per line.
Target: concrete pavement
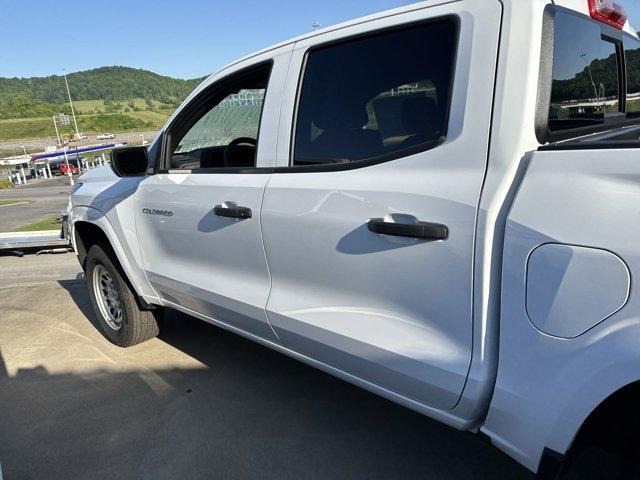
(198, 402)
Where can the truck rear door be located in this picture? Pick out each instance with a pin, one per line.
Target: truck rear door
(368, 222)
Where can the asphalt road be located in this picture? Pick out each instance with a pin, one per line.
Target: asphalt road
(197, 402)
(46, 198)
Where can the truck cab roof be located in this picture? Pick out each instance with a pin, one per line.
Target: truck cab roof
(580, 6)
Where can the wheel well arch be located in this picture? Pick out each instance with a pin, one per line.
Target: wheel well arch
(86, 235)
(613, 421)
(609, 426)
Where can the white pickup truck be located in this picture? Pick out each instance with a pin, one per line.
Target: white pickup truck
(438, 203)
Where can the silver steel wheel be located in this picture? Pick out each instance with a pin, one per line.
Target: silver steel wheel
(107, 297)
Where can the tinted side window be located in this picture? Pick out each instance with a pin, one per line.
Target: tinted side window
(585, 74)
(632, 58)
(376, 95)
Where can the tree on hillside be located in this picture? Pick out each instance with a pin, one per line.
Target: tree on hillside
(105, 83)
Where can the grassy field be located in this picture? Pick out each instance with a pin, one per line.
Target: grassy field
(5, 184)
(93, 117)
(47, 224)
(26, 128)
(156, 119)
(97, 106)
(88, 124)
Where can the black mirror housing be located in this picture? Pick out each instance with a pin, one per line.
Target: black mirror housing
(130, 161)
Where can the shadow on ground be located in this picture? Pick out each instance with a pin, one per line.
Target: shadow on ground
(246, 412)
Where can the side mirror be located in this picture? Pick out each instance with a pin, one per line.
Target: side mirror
(129, 161)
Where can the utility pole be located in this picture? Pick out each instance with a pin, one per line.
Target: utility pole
(55, 124)
(73, 114)
(584, 58)
(35, 170)
(66, 161)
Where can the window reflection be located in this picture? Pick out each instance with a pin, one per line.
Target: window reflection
(369, 97)
(585, 75)
(632, 59)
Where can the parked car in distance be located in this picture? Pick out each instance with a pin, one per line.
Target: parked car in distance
(438, 203)
(106, 136)
(62, 168)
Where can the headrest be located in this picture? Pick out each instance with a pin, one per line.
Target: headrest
(419, 115)
(344, 117)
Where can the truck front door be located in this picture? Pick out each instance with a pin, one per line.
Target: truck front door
(198, 218)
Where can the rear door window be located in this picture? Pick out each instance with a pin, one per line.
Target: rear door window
(380, 96)
(585, 85)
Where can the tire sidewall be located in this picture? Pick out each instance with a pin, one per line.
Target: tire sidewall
(97, 256)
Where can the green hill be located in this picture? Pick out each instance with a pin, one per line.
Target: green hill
(46, 96)
(104, 83)
(581, 85)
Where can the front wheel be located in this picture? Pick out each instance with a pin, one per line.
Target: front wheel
(114, 302)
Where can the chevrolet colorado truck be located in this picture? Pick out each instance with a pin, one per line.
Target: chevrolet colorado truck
(439, 203)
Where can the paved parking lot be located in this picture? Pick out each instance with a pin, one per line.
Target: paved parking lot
(197, 402)
(46, 198)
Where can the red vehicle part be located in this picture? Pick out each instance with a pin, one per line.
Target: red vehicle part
(64, 169)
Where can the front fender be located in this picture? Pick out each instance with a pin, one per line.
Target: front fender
(122, 237)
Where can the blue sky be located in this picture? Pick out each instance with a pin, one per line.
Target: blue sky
(185, 38)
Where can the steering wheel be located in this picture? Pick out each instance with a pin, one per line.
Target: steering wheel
(233, 144)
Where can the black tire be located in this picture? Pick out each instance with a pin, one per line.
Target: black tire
(135, 325)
